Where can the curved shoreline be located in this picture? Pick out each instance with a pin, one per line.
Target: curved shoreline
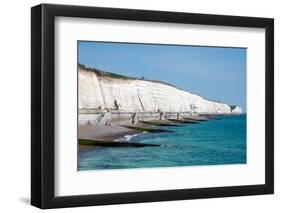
(107, 135)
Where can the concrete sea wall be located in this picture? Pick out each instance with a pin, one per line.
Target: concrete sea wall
(120, 118)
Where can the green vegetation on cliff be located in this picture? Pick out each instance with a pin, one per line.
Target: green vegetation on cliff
(104, 73)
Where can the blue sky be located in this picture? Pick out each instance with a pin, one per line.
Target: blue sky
(212, 72)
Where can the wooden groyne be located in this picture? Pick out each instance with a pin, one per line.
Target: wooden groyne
(112, 117)
(111, 129)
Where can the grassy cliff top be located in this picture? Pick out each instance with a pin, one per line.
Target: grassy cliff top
(104, 73)
(117, 76)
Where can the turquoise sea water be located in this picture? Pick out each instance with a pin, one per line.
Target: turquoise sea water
(213, 142)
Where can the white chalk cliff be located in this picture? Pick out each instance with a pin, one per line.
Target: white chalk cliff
(102, 90)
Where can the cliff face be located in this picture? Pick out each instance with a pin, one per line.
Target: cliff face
(99, 91)
(236, 110)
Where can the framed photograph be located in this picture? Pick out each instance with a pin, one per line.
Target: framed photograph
(136, 106)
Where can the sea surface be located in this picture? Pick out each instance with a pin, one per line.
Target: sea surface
(213, 142)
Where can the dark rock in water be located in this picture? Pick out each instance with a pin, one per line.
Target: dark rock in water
(147, 129)
(184, 121)
(195, 118)
(113, 143)
(159, 123)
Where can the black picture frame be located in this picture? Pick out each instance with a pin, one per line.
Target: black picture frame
(43, 102)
